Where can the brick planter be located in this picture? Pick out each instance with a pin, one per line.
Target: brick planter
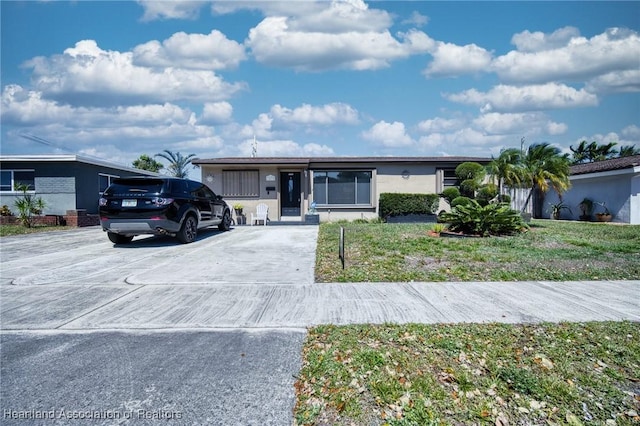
(75, 218)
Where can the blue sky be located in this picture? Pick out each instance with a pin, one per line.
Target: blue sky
(115, 80)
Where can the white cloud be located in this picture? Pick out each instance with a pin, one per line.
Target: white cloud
(216, 112)
(213, 51)
(452, 60)
(339, 35)
(283, 148)
(90, 75)
(518, 124)
(389, 135)
(324, 115)
(505, 98)
(274, 43)
(616, 82)
(527, 41)
(174, 9)
(438, 124)
(26, 107)
(573, 58)
(417, 19)
(632, 133)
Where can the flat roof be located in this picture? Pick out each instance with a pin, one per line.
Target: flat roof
(307, 161)
(71, 158)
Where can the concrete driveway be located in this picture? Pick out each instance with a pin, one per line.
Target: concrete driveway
(212, 331)
(94, 333)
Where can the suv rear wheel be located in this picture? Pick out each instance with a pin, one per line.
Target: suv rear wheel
(188, 231)
(119, 239)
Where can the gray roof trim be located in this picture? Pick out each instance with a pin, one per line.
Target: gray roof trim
(72, 158)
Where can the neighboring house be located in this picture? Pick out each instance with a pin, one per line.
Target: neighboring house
(615, 182)
(66, 183)
(341, 187)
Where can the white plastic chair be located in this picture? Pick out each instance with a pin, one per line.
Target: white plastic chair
(262, 211)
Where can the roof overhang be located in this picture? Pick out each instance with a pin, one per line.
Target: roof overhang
(314, 162)
(70, 158)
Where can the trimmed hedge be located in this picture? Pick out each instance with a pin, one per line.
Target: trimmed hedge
(392, 204)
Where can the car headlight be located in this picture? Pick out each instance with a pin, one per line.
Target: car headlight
(103, 202)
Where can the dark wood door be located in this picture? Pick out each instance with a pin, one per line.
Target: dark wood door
(290, 194)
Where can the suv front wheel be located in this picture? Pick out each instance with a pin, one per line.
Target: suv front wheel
(188, 231)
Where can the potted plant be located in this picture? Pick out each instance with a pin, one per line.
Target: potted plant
(556, 209)
(238, 208)
(604, 216)
(586, 207)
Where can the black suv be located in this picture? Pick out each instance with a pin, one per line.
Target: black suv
(160, 206)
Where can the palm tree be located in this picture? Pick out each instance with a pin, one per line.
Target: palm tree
(605, 152)
(177, 163)
(581, 154)
(629, 151)
(543, 168)
(506, 168)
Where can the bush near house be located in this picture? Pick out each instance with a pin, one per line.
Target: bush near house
(392, 204)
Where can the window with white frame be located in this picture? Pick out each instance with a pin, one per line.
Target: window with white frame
(240, 183)
(342, 187)
(446, 178)
(105, 181)
(10, 178)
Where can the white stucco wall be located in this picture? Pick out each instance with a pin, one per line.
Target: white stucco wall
(619, 190)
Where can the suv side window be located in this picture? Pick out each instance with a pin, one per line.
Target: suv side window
(179, 187)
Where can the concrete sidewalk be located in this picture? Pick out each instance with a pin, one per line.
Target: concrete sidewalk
(297, 306)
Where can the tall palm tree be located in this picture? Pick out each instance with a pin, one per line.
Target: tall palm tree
(606, 151)
(506, 168)
(177, 163)
(629, 151)
(543, 168)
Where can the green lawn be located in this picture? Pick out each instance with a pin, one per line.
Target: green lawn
(550, 250)
(473, 374)
(6, 230)
(467, 374)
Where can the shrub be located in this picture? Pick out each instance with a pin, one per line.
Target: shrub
(28, 205)
(450, 194)
(460, 201)
(492, 219)
(470, 171)
(487, 193)
(5, 211)
(392, 204)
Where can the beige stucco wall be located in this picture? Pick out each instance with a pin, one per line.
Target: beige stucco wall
(270, 198)
(420, 178)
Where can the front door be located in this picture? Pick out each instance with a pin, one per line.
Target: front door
(290, 194)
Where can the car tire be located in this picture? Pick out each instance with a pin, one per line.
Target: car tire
(188, 231)
(119, 239)
(225, 225)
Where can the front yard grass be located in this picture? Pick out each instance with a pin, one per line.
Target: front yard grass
(470, 374)
(473, 374)
(7, 230)
(549, 250)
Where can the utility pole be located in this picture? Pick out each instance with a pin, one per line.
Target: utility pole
(254, 147)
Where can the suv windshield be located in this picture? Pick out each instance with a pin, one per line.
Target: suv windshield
(135, 186)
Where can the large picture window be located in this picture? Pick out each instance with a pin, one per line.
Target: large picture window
(342, 187)
(240, 183)
(10, 178)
